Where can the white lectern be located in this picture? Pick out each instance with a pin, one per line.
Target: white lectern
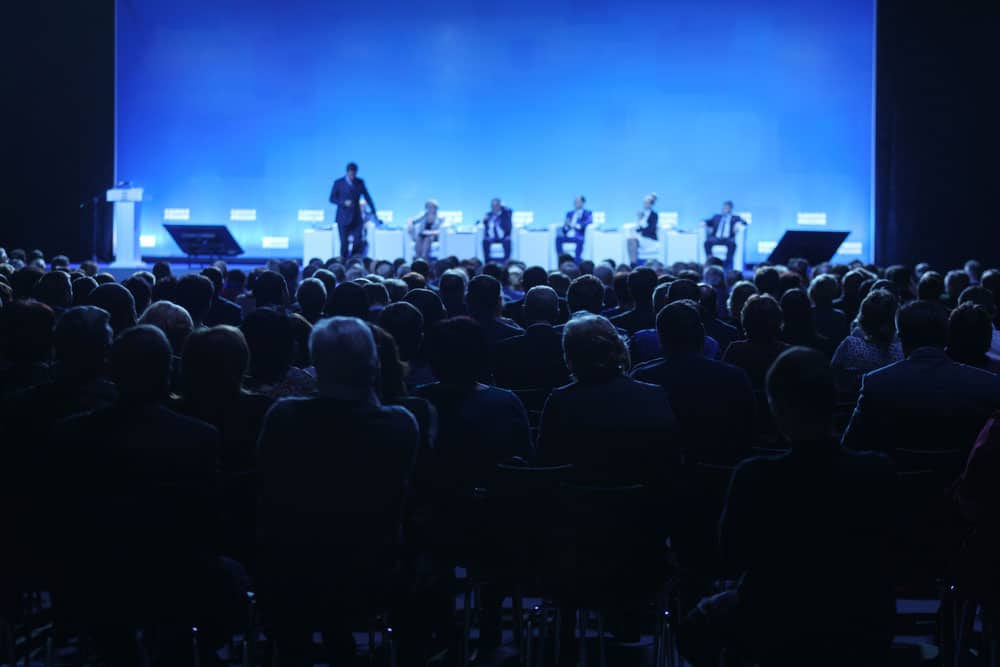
(125, 232)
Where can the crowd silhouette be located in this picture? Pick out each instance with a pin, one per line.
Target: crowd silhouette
(751, 469)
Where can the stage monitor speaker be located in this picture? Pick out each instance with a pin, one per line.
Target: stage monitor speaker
(815, 247)
(204, 240)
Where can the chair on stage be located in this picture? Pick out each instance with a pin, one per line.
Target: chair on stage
(739, 254)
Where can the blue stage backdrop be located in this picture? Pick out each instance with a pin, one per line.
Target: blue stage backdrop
(255, 104)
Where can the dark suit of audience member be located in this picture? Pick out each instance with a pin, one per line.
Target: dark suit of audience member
(713, 401)
(485, 305)
(978, 496)
(641, 283)
(143, 483)
(82, 342)
(405, 324)
(831, 323)
(332, 476)
(533, 359)
(925, 412)
(533, 276)
(818, 509)
(222, 310)
(613, 429)
(798, 327)
(392, 390)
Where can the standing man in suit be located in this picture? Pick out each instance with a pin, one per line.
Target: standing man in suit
(496, 229)
(346, 194)
(574, 228)
(721, 229)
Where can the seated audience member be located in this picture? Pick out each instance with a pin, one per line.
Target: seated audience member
(831, 323)
(311, 297)
(271, 339)
(55, 290)
(789, 280)
(713, 401)
(874, 346)
(24, 280)
(172, 320)
(644, 345)
(641, 284)
(955, 283)
(451, 288)
(991, 281)
(414, 280)
(479, 426)
(301, 330)
(708, 303)
(767, 280)
(119, 303)
(738, 296)
(161, 270)
(819, 508)
(82, 289)
(926, 402)
(761, 321)
(194, 293)
(798, 325)
(970, 333)
(397, 289)
(931, 287)
(430, 307)
(269, 290)
(348, 300)
(850, 300)
(485, 304)
(378, 298)
(983, 297)
(142, 291)
(715, 277)
(532, 277)
(146, 509)
(621, 302)
(213, 365)
(533, 359)
(391, 387)
(586, 294)
(613, 429)
(902, 277)
(222, 310)
(26, 339)
(235, 286)
(318, 578)
(406, 326)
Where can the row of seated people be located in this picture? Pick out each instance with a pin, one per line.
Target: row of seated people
(380, 439)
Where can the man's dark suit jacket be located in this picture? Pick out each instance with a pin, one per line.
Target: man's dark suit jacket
(224, 311)
(342, 192)
(332, 476)
(514, 310)
(621, 432)
(818, 509)
(586, 217)
(924, 402)
(723, 333)
(832, 323)
(533, 359)
(504, 223)
(755, 358)
(712, 224)
(713, 402)
(143, 484)
(498, 329)
(635, 320)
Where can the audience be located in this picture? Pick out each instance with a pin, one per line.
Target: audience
(181, 438)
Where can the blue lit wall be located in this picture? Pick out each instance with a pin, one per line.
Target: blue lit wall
(260, 104)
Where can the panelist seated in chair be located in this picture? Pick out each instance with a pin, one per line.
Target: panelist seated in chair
(574, 229)
(497, 225)
(644, 239)
(425, 229)
(721, 229)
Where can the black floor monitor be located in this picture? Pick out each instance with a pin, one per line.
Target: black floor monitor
(815, 247)
(204, 240)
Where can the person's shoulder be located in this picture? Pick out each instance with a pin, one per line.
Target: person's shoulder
(649, 371)
(187, 422)
(399, 416)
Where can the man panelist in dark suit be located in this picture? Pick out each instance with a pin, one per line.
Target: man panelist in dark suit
(497, 227)
(574, 228)
(346, 194)
(721, 229)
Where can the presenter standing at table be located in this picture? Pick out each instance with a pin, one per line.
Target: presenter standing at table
(574, 228)
(347, 193)
(721, 229)
(425, 229)
(645, 238)
(496, 230)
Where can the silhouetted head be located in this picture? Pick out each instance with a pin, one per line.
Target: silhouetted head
(922, 324)
(458, 351)
(593, 350)
(405, 324)
(970, 334)
(484, 300)
(877, 316)
(541, 304)
(680, 329)
(194, 294)
(761, 318)
(213, 364)
(268, 333)
(55, 290)
(172, 320)
(82, 341)
(802, 395)
(349, 300)
(140, 364)
(119, 303)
